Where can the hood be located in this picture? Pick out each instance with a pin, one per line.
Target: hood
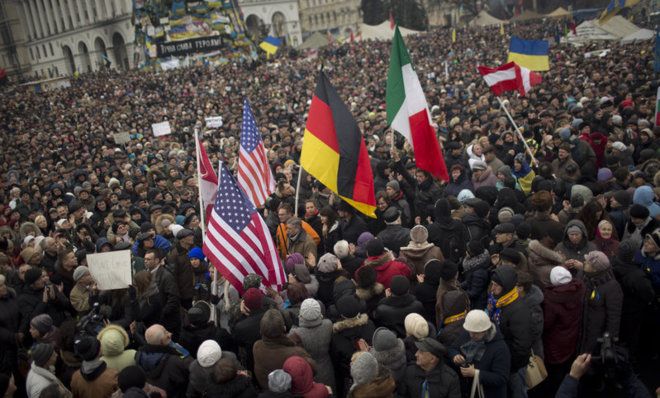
(350, 323)
(152, 359)
(379, 262)
(302, 377)
(534, 296)
(367, 294)
(416, 253)
(91, 370)
(578, 224)
(342, 288)
(100, 243)
(442, 210)
(508, 277)
(644, 196)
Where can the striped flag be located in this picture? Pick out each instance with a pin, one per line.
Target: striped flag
(237, 240)
(254, 176)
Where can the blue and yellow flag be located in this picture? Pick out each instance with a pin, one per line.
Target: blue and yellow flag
(270, 45)
(614, 7)
(531, 54)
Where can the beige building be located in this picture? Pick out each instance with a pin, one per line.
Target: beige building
(337, 16)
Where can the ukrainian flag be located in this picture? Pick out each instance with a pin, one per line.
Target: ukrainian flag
(614, 7)
(270, 45)
(531, 54)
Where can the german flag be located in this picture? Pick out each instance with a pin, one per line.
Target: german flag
(334, 152)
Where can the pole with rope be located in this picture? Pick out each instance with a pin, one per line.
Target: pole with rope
(515, 126)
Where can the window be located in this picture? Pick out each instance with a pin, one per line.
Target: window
(38, 53)
(31, 54)
(57, 72)
(52, 54)
(43, 46)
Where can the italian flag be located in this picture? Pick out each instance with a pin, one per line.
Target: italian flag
(408, 113)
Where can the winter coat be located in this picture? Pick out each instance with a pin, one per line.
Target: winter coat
(246, 332)
(562, 315)
(533, 299)
(476, 278)
(9, 322)
(391, 312)
(636, 234)
(99, 382)
(425, 294)
(238, 387)
(540, 261)
(651, 267)
(326, 286)
(426, 194)
(450, 235)
(352, 229)
(381, 387)
(492, 359)
(113, 348)
(516, 327)
(303, 244)
(199, 380)
(442, 382)
(38, 379)
(394, 237)
(638, 293)
(387, 268)
(79, 298)
(571, 251)
(30, 304)
(455, 186)
(602, 308)
(371, 296)
(486, 179)
(346, 334)
(316, 338)
(192, 337)
(478, 228)
(170, 313)
(270, 354)
(416, 257)
(179, 264)
(164, 369)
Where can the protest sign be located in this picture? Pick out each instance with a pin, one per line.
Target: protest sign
(160, 129)
(111, 270)
(213, 122)
(121, 138)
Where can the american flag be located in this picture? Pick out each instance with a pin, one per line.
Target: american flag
(237, 239)
(254, 175)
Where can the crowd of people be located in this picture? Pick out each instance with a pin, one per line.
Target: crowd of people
(453, 290)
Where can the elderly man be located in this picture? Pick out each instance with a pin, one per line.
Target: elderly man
(161, 362)
(284, 213)
(300, 242)
(429, 376)
(84, 288)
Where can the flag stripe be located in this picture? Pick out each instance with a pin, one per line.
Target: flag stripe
(251, 178)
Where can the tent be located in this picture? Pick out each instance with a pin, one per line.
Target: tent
(527, 15)
(619, 26)
(485, 19)
(640, 35)
(560, 12)
(382, 31)
(316, 40)
(616, 28)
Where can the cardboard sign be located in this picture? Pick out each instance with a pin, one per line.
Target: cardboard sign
(160, 129)
(122, 138)
(111, 270)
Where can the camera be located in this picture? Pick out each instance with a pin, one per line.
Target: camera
(92, 323)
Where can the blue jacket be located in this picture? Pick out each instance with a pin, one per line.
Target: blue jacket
(159, 243)
(651, 267)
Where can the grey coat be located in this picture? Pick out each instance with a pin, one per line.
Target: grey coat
(316, 337)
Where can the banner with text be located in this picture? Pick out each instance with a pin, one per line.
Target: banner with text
(197, 45)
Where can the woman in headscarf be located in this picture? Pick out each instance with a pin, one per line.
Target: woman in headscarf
(606, 240)
(523, 173)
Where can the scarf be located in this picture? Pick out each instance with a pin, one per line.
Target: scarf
(454, 318)
(494, 307)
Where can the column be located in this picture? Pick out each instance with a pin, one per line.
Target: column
(72, 12)
(56, 15)
(108, 9)
(41, 15)
(44, 15)
(34, 16)
(81, 12)
(28, 21)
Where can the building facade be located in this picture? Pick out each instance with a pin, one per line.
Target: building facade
(279, 18)
(44, 39)
(337, 16)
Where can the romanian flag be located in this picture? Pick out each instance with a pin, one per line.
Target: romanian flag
(334, 152)
(532, 54)
(270, 44)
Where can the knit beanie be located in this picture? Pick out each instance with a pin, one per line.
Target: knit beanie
(416, 326)
(363, 239)
(394, 184)
(637, 211)
(560, 276)
(364, 369)
(43, 323)
(384, 339)
(505, 214)
(341, 249)
(292, 260)
(449, 270)
(131, 376)
(208, 353)
(197, 253)
(253, 299)
(79, 272)
(348, 306)
(375, 247)
(251, 281)
(41, 353)
(598, 260)
(399, 285)
(327, 263)
(626, 251)
(604, 175)
(32, 275)
(87, 348)
(279, 381)
(310, 310)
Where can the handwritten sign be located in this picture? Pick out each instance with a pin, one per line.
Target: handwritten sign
(162, 128)
(111, 270)
(213, 122)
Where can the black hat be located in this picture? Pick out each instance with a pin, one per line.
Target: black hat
(511, 255)
(375, 247)
(348, 306)
(32, 275)
(449, 270)
(41, 353)
(505, 228)
(146, 226)
(131, 376)
(523, 230)
(391, 214)
(87, 348)
(453, 145)
(639, 211)
(433, 346)
(344, 206)
(626, 251)
(505, 276)
(475, 247)
(399, 285)
(184, 233)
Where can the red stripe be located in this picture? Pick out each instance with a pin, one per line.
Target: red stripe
(214, 241)
(363, 188)
(238, 247)
(427, 150)
(321, 124)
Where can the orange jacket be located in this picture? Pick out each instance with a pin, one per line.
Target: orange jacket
(283, 238)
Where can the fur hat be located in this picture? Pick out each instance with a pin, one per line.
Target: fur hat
(416, 326)
(419, 235)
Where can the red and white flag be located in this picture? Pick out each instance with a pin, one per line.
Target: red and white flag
(237, 240)
(254, 175)
(208, 180)
(509, 77)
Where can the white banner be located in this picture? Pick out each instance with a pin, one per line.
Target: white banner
(213, 122)
(160, 129)
(111, 270)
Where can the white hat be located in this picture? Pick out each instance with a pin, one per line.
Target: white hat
(341, 249)
(175, 228)
(208, 353)
(560, 276)
(619, 146)
(27, 240)
(477, 321)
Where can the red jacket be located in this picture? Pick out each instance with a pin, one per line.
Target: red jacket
(387, 268)
(562, 318)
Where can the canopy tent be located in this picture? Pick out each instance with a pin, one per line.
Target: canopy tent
(616, 28)
(316, 40)
(527, 15)
(382, 31)
(640, 35)
(619, 27)
(560, 12)
(485, 19)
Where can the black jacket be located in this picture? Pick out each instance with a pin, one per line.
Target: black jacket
(425, 293)
(602, 308)
(9, 322)
(238, 387)
(164, 369)
(516, 327)
(395, 237)
(475, 280)
(30, 304)
(352, 229)
(170, 314)
(391, 312)
(478, 228)
(179, 264)
(346, 334)
(442, 382)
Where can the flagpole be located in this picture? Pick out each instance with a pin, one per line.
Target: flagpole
(202, 219)
(300, 173)
(515, 126)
